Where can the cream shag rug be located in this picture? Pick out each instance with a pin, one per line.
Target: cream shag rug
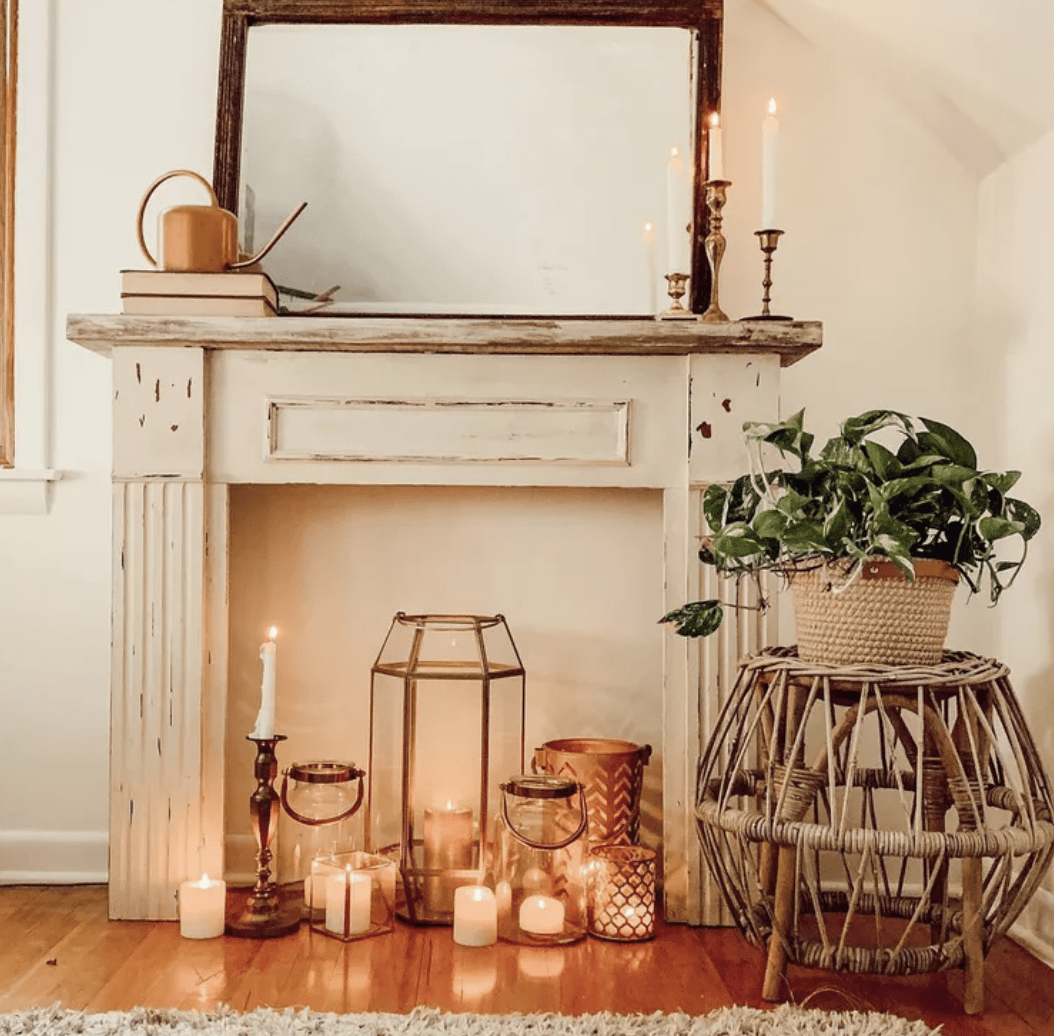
(730, 1021)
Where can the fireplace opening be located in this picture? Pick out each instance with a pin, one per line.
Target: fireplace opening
(576, 572)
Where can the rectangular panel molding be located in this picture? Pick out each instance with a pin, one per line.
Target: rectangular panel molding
(494, 431)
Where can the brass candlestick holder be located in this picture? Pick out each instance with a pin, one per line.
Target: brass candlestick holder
(716, 195)
(678, 282)
(768, 239)
(265, 916)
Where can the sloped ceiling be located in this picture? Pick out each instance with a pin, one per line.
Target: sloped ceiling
(978, 73)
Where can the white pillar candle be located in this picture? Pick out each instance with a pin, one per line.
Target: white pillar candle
(475, 916)
(447, 847)
(348, 903)
(652, 264)
(202, 905)
(770, 129)
(542, 915)
(715, 161)
(265, 717)
(678, 214)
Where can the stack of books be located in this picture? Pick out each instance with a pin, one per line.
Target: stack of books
(168, 293)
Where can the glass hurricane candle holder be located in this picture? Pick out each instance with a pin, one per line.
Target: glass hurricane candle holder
(539, 864)
(622, 892)
(351, 895)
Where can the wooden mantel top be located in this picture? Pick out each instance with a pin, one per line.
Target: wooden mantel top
(615, 336)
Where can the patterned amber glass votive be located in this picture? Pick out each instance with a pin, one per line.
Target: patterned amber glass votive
(622, 892)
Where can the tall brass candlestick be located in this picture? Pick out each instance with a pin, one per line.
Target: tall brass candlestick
(715, 247)
(265, 916)
(768, 239)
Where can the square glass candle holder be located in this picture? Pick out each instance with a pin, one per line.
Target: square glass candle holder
(351, 895)
(622, 892)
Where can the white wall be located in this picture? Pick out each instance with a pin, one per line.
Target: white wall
(1014, 288)
(880, 244)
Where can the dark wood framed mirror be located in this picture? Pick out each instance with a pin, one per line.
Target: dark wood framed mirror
(701, 19)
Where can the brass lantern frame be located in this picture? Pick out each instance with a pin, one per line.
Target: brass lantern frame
(412, 671)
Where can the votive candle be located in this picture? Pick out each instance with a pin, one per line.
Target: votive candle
(475, 916)
(202, 908)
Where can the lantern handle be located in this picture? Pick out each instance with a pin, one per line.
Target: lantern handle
(319, 821)
(529, 842)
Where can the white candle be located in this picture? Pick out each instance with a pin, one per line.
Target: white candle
(678, 214)
(448, 847)
(201, 908)
(715, 162)
(348, 903)
(770, 129)
(542, 915)
(652, 263)
(265, 717)
(475, 916)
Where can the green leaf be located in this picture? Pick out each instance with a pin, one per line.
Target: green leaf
(1024, 513)
(855, 429)
(949, 442)
(1002, 481)
(769, 525)
(714, 500)
(737, 541)
(836, 526)
(801, 537)
(999, 528)
(792, 503)
(697, 619)
(885, 463)
(952, 474)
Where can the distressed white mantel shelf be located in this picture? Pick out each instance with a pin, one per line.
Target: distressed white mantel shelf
(790, 340)
(203, 403)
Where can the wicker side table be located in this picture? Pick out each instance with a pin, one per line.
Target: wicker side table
(886, 819)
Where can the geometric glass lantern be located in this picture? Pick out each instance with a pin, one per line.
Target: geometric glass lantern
(446, 728)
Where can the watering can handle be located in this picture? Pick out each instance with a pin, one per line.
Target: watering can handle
(153, 187)
(319, 821)
(529, 842)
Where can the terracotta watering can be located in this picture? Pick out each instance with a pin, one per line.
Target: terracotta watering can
(200, 238)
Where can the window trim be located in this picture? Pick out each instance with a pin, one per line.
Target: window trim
(8, 136)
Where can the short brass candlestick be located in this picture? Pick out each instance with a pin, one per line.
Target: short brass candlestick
(768, 239)
(678, 283)
(716, 195)
(265, 917)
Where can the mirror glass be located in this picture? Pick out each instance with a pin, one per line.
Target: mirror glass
(465, 169)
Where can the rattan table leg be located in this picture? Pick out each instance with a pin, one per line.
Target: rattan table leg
(973, 942)
(786, 883)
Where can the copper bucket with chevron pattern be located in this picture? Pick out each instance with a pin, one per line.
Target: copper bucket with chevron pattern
(612, 772)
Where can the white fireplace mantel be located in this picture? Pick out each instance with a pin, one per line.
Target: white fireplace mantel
(204, 403)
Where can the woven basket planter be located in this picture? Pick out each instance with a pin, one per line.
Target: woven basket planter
(878, 617)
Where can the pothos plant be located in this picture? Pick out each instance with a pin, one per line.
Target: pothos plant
(857, 499)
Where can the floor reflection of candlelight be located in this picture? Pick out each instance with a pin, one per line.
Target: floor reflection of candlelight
(540, 962)
(475, 974)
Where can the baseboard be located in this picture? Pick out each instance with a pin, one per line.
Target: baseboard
(54, 857)
(1034, 928)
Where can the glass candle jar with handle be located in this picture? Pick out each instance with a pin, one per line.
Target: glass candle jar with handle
(320, 816)
(539, 864)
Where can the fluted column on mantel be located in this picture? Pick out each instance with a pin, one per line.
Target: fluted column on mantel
(158, 642)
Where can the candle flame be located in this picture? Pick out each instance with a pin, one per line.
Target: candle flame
(772, 106)
(204, 879)
(272, 633)
(715, 120)
(647, 227)
(674, 151)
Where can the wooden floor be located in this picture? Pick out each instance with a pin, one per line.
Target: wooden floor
(56, 945)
